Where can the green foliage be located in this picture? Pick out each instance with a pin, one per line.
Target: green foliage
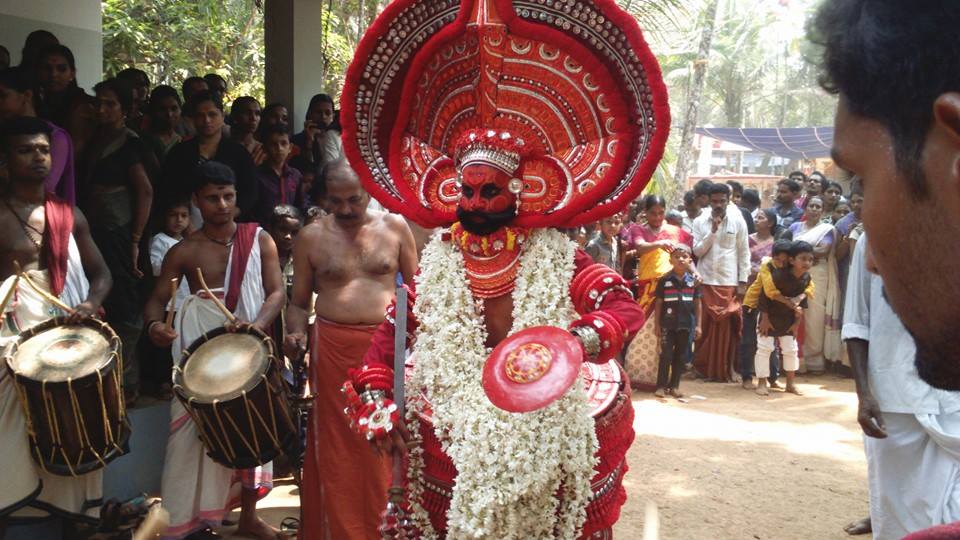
(171, 40)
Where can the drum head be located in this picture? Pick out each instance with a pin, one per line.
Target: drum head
(61, 353)
(225, 366)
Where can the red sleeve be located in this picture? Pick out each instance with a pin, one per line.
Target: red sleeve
(381, 352)
(619, 303)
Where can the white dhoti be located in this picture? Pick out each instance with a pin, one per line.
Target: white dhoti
(29, 491)
(197, 491)
(914, 473)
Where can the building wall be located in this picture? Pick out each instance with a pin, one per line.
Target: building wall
(76, 23)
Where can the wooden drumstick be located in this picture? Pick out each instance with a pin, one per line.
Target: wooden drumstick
(223, 309)
(157, 521)
(174, 285)
(46, 295)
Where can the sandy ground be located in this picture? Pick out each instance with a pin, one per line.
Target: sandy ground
(733, 465)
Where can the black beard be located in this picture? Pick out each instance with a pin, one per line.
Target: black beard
(938, 367)
(484, 223)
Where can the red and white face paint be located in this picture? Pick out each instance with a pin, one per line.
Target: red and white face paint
(485, 189)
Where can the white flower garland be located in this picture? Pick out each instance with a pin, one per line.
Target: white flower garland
(510, 466)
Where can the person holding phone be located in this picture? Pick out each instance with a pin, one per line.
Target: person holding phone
(720, 241)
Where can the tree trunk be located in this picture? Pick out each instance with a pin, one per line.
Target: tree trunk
(694, 96)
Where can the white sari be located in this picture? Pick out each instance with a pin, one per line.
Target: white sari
(821, 338)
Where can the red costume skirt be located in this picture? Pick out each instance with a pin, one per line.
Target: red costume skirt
(609, 397)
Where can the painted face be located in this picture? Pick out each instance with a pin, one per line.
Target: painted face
(484, 190)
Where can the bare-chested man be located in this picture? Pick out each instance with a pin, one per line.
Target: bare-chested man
(239, 262)
(50, 240)
(349, 259)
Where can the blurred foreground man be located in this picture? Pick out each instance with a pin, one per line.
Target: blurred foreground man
(912, 430)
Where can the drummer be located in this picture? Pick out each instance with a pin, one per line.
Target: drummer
(196, 490)
(50, 240)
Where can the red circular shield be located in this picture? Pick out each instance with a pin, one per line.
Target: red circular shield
(532, 368)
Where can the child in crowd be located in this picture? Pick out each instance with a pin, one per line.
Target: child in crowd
(284, 225)
(605, 247)
(279, 183)
(779, 319)
(157, 361)
(176, 218)
(677, 314)
(675, 218)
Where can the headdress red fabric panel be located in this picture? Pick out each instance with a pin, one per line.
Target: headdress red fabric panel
(573, 79)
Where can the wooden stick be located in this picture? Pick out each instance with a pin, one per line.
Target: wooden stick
(157, 520)
(223, 309)
(174, 285)
(45, 294)
(9, 296)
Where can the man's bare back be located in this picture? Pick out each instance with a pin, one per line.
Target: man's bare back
(353, 269)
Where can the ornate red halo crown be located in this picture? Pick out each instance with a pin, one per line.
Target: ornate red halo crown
(572, 79)
(495, 148)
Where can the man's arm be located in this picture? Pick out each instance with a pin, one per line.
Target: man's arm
(143, 199)
(743, 257)
(702, 239)
(272, 284)
(94, 267)
(856, 334)
(156, 305)
(298, 308)
(698, 314)
(408, 262)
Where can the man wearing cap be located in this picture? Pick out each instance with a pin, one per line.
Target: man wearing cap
(240, 262)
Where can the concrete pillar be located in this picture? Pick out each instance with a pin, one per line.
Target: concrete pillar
(77, 24)
(292, 36)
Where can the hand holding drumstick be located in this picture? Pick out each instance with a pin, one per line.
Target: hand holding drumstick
(162, 333)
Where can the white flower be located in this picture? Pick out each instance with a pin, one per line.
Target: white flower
(510, 466)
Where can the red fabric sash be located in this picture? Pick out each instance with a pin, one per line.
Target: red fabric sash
(56, 240)
(242, 245)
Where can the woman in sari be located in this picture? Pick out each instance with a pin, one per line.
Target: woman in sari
(652, 244)
(116, 198)
(821, 337)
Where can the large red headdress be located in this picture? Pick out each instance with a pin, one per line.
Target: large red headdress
(571, 80)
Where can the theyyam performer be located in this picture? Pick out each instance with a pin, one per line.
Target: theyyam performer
(500, 120)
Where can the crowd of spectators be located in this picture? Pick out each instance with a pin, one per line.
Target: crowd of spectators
(125, 153)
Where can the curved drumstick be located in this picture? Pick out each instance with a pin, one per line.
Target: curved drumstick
(45, 294)
(223, 309)
(174, 284)
(157, 520)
